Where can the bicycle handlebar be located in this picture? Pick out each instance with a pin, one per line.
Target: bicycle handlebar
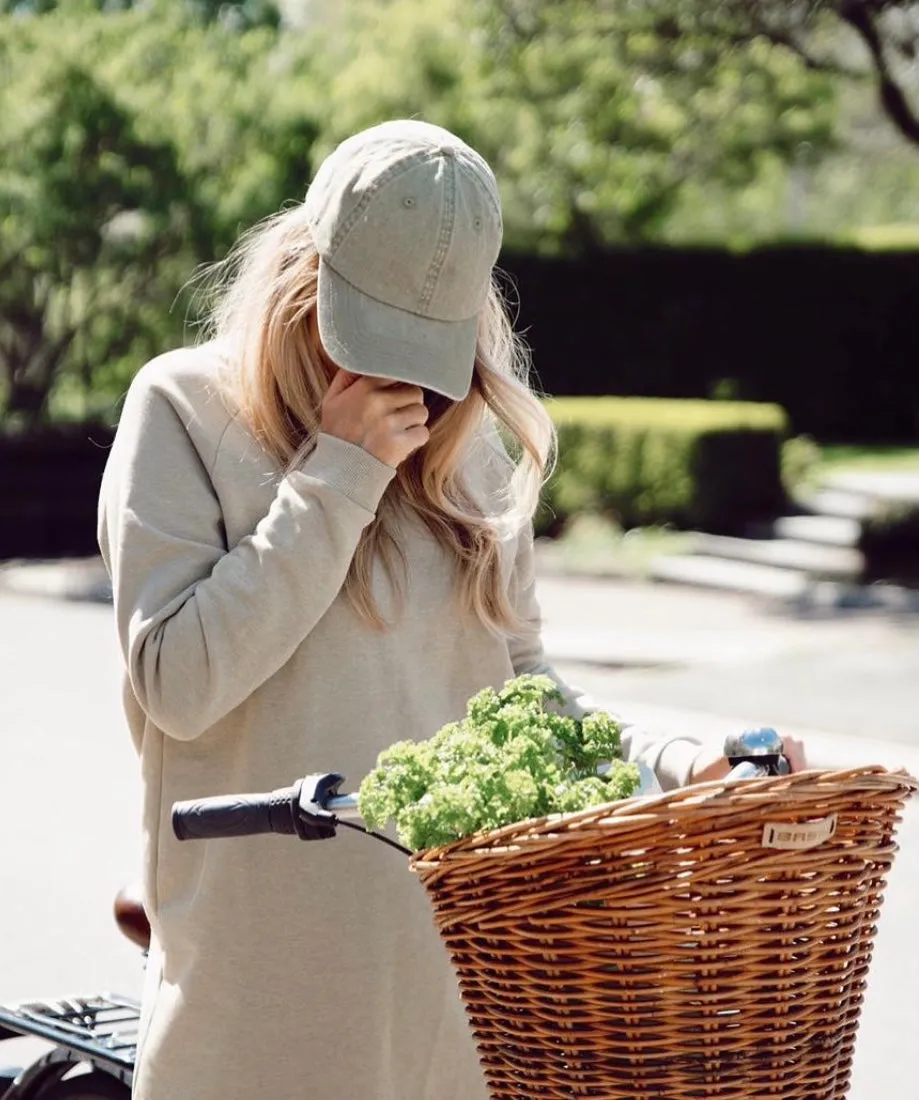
(235, 815)
(312, 808)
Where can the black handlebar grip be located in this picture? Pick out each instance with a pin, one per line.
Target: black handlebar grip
(236, 815)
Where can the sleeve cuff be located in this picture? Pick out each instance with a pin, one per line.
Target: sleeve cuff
(349, 470)
(674, 764)
(670, 758)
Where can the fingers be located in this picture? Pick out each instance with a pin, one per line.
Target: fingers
(409, 416)
(417, 437)
(387, 398)
(341, 380)
(388, 393)
(406, 396)
(398, 395)
(794, 754)
(385, 417)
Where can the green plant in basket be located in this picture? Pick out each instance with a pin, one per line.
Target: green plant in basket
(512, 757)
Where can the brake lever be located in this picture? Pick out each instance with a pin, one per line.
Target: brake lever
(312, 793)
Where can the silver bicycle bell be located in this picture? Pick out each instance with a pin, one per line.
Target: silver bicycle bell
(756, 752)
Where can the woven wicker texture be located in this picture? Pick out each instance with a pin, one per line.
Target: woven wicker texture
(655, 948)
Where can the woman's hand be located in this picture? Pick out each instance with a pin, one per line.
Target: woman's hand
(388, 419)
(712, 764)
(794, 754)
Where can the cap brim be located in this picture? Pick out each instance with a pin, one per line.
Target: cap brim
(366, 336)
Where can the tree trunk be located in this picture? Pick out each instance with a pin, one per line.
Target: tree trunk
(892, 96)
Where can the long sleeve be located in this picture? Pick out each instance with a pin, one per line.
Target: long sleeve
(202, 626)
(670, 758)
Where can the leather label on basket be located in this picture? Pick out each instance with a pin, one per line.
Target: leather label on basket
(799, 834)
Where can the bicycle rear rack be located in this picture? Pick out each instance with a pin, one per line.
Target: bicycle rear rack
(101, 1029)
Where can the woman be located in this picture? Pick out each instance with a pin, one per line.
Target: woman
(318, 545)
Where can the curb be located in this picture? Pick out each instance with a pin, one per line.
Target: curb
(83, 579)
(605, 649)
(810, 597)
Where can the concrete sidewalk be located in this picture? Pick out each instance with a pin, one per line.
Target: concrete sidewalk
(596, 629)
(635, 623)
(61, 711)
(688, 660)
(825, 750)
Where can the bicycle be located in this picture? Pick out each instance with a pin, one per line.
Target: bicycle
(94, 1039)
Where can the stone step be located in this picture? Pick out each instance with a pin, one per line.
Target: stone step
(806, 557)
(896, 487)
(859, 496)
(823, 530)
(839, 503)
(735, 576)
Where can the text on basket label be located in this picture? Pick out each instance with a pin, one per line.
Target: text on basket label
(799, 834)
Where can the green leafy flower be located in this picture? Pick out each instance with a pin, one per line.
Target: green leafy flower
(513, 757)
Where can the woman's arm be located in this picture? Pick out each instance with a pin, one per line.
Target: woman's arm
(201, 627)
(675, 760)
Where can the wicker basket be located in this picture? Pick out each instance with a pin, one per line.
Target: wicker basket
(711, 942)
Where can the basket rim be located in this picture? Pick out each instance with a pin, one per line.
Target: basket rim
(779, 793)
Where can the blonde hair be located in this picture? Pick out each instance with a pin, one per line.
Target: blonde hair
(261, 305)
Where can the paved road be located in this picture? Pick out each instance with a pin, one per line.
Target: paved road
(682, 660)
(69, 798)
(850, 673)
(68, 805)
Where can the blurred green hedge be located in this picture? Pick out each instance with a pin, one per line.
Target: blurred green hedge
(49, 488)
(708, 465)
(829, 334)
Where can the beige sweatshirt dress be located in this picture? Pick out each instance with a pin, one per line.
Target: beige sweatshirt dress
(283, 970)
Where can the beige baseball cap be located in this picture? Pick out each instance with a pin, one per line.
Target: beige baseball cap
(407, 221)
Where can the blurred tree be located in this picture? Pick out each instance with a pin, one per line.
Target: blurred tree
(870, 181)
(133, 146)
(871, 176)
(855, 38)
(236, 14)
(87, 208)
(593, 114)
(888, 31)
(137, 139)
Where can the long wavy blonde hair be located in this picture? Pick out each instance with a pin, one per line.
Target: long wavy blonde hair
(261, 306)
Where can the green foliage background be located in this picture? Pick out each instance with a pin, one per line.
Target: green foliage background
(138, 141)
